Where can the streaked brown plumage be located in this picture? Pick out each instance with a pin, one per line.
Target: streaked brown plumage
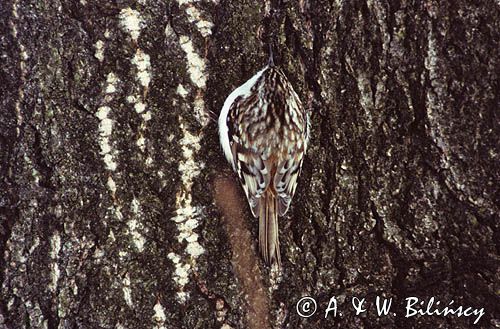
(264, 130)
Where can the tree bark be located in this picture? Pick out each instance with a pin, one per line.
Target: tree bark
(118, 209)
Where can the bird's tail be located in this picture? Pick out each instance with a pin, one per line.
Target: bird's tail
(269, 243)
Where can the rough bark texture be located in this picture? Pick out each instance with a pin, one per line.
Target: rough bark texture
(118, 210)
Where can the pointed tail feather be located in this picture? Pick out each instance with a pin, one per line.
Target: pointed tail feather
(268, 229)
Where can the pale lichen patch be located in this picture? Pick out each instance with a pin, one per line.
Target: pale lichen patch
(108, 158)
(174, 257)
(127, 291)
(141, 143)
(102, 112)
(196, 64)
(55, 247)
(194, 248)
(99, 50)
(194, 16)
(169, 31)
(142, 62)
(181, 272)
(131, 99)
(181, 91)
(187, 215)
(180, 276)
(146, 116)
(22, 66)
(138, 239)
(186, 2)
(111, 236)
(159, 315)
(139, 107)
(35, 245)
(134, 206)
(134, 225)
(111, 184)
(131, 22)
(118, 212)
(106, 125)
(112, 79)
(110, 89)
(105, 130)
(199, 110)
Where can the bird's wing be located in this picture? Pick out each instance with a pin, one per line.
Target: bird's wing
(253, 175)
(247, 163)
(285, 179)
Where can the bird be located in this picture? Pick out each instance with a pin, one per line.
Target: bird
(264, 134)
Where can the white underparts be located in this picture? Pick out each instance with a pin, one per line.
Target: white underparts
(243, 90)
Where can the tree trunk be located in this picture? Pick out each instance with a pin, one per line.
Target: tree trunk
(118, 209)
